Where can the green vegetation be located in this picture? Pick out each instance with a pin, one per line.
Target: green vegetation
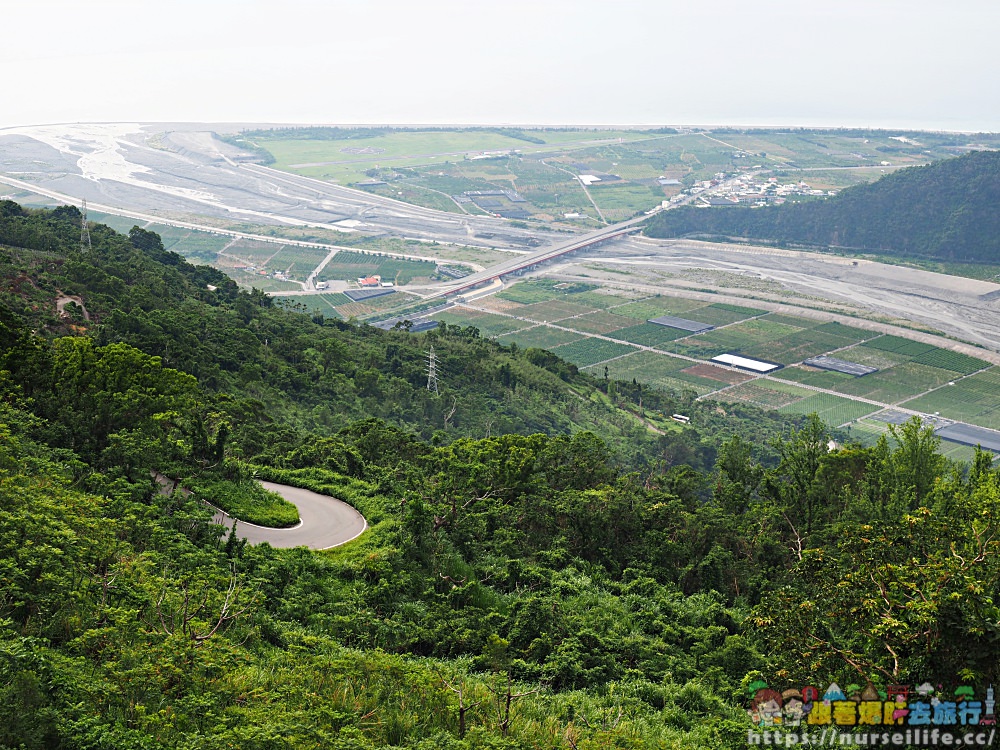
(833, 410)
(246, 500)
(944, 211)
(540, 569)
(590, 351)
(427, 166)
(972, 399)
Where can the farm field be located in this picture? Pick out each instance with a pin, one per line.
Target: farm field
(429, 165)
(348, 266)
(553, 310)
(975, 399)
(814, 377)
(540, 337)
(656, 370)
(602, 322)
(833, 410)
(647, 334)
(907, 368)
(489, 325)
(766, 394)
(654, 307)
(542, 290)
(590, 351)
(797, 346)
(896, 383)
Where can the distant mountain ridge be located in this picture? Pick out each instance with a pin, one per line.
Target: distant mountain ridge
(944, 211)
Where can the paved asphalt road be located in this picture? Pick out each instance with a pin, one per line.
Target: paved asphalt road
(325, 523)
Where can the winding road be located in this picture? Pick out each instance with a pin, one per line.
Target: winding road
(325, 522)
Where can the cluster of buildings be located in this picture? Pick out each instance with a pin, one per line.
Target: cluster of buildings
(750, 190)
(373, 282)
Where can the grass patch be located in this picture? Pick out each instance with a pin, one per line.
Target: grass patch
(247, 501)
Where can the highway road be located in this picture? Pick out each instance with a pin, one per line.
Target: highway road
(550, 252)
(325, 522)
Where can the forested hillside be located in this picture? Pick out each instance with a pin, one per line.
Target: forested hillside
(513, 590)
(944, 211)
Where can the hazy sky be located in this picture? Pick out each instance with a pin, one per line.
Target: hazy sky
(881, 63)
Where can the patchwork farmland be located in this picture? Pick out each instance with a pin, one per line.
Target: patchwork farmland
(608, 332)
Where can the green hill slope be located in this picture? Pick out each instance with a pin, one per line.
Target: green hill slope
(944, 211)
(512, 591)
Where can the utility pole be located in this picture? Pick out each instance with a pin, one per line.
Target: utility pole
(432, 372)
(85, 246)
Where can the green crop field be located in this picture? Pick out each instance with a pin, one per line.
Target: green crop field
(763, 393)
(654, 307)
(197, 247)
(953, 361)
(647, 334)
(866, 432)
(553, 310)
(899, 345)
(796, 346)
(896, 383)
(763, 329)
(489, 325)
(590, 351)
(530, 292)
(865, 355)
(348, 265)
(656, 370)
(267, 283)
(540, 337)
(817, 378)
(848, 333)
(975, 399)
(833, 410)
(698, 346)
(601, 322)
(250, 252)
(792, 320)
(720, 315)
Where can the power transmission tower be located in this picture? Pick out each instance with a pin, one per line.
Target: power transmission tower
(85, 245)
(432, 371)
